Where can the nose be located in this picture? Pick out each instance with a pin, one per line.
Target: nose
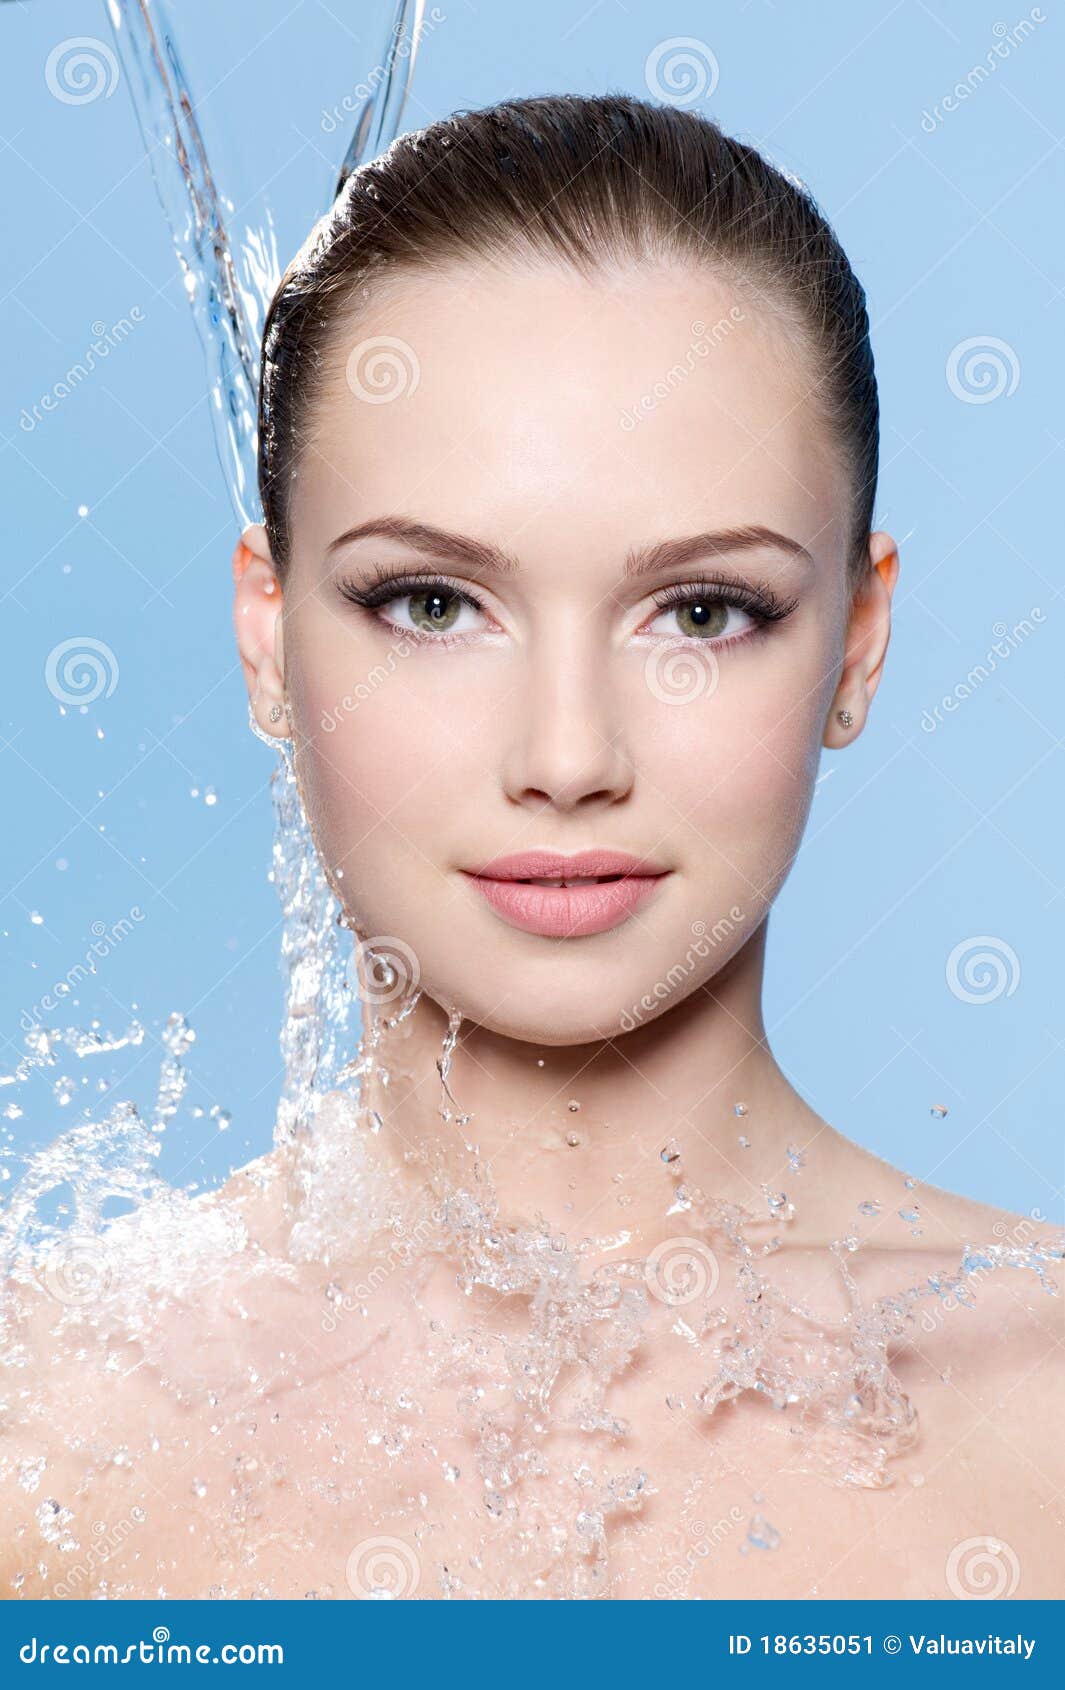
(567, 745)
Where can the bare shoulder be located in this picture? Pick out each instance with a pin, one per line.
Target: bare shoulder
(989, 1312)
(110, 1351)
(988, 1342)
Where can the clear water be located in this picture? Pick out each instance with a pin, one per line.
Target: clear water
(358, 1363)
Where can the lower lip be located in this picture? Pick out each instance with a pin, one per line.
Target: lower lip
(568, 912)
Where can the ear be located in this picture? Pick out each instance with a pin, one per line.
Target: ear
(868, 633)
(257, 620)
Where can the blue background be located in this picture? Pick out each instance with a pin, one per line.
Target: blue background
(917, 841)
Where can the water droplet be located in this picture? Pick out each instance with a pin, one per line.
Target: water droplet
(29, 1472)
(573, 1106)
(670, 1151)
(939, 1110)
(739, 1109)
(869, 1207)
(760, 1535)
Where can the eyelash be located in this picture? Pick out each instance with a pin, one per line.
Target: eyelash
(383, 588)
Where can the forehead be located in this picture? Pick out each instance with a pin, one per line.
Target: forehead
(519, 404)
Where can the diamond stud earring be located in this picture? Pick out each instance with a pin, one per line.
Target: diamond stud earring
(275, 712)
(844, 717)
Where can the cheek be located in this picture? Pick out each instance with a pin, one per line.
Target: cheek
(384, 761)
(739, 766)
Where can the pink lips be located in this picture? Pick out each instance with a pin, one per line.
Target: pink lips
(567, 912)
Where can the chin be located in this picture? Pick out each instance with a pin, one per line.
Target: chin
(536, 1018)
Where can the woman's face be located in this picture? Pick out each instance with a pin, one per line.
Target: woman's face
(600, 687)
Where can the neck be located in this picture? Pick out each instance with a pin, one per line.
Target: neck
(587, 1136)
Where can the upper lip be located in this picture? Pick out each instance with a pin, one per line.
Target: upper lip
(552, 865)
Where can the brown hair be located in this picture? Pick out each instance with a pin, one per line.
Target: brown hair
(580, 180)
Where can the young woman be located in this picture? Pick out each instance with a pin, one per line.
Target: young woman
(566, 574)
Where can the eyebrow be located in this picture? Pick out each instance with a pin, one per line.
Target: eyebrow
(479, 555)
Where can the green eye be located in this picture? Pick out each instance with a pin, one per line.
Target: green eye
(434, 611)
(702, 617)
